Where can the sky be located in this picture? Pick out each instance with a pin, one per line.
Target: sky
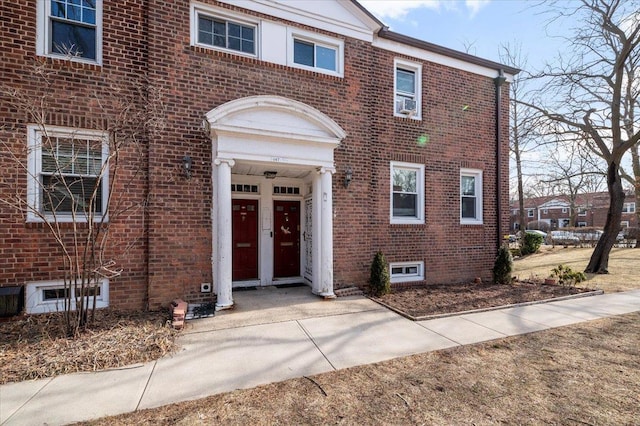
(478, 27)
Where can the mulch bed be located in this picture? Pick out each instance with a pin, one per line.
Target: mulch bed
(451, 298)
(35, 346)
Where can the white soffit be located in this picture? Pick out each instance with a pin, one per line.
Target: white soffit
(340, 17)
(437, 58)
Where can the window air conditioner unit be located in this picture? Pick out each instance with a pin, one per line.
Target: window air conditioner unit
(408, 106)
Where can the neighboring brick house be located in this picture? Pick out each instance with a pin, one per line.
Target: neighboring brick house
(313, 137)
(590, 211)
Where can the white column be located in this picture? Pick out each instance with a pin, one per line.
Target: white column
(224, 243)
(326, 283)
(316, 253)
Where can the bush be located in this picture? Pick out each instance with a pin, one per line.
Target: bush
(503, 266)
(567, 276)
(379, 281)
(531, 244)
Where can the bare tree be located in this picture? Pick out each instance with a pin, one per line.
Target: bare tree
(82, 186)
(523, 119)
(573, 170)
(588, 93)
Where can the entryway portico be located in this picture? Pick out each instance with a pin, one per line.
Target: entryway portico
(275, 156)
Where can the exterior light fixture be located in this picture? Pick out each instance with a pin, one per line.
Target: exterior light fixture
(187, 166)
(348, 177)
(270, 174)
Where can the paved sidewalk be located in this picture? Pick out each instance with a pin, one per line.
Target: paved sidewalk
(243, 349)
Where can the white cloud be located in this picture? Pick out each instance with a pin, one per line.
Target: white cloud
(474, 6)
(399, 9)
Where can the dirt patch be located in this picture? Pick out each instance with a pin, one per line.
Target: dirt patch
(451, 298)
(35, 346)
(585, 374)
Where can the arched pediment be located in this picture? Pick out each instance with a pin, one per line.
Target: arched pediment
(274, 117)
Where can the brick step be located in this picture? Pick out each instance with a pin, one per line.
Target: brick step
(348, 291)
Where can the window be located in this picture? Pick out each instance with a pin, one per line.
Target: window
(582, 211)
(624, 224)
(407, 89)
(315, 52)
(530, 212)
(629, 208)
(226, 34)
(406, 272)
(68, 174)
(70, 28)
(407, 189)
(582, 224)
(50, 296)
(545, 211)
(470, 196)
(564, 210)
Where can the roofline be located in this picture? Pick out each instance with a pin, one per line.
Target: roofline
(369, 14)
(424, 45)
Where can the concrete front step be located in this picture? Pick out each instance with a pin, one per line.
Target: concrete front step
(348, 291)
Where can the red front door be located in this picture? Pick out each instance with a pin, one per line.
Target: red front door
(245, 239)
(286, 240)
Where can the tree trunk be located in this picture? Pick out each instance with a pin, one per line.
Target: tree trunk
(635, 163)
(599, 262)
(522, 217)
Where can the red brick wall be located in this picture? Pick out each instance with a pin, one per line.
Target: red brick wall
(28, 251)
(174, 256)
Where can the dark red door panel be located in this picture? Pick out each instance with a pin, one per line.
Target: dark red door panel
(286, 241)
(245, 239)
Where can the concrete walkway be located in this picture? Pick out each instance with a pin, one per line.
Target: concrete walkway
(278, 334)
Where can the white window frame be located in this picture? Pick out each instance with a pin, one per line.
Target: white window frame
(582, 224)
(44, 34)
(406, 277)
(624, 223)
(416, 68)
(564, 210)
(294, 34)
(197, 9)
(545, 211)
(419, 169)
(582, 211)
(530, 213)
(34, 166)
(629, 207)
(477, 174)
(36, 304)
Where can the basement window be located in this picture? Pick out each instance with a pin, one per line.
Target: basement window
(51, 296)
(406, 272)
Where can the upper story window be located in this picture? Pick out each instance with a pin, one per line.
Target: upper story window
(471, 196)
(530, 212)
(315, 52)
(407, 89)
(71, 29)
(582, 211)
(236, 34)
(629, 208)
(67, 174)
(407, 193)
(226, 34)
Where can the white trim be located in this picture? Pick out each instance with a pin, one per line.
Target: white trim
(317, 40)
(416, 68)
(624, 223)
(477, 174)
(436, 58)
(43, 34)
(629, 207)
(34, 162)
(403, 277)
(419, 218)
(291, 12)
(217, 13)
(35, 303)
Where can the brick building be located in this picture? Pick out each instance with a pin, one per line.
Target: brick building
(296, 140)
(589, 210)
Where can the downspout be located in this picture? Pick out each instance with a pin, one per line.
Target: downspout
(498, 81)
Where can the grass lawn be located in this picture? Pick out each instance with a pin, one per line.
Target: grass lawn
(624, 266)
(582, 374)
(585, 374)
